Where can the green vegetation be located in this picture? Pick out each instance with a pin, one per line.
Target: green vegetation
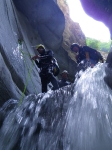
(96, 44)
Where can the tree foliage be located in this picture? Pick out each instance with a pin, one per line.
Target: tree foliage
(99, 45)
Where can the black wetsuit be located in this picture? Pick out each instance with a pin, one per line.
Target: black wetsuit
(45, 64)
(94, 55)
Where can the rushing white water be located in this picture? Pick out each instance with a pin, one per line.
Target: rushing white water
(89, 117)
(76, 117)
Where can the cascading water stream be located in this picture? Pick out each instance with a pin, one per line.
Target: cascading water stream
(89, 117)
(76, 117)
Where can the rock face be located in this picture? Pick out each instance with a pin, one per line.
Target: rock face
(72, 32)
(99, 10)
(35, 22)
(46, 17)
(18, 74)
(39, 21)
(55, 28)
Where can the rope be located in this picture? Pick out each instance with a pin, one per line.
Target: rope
(29, 73)
(29, 76)
(23, 53)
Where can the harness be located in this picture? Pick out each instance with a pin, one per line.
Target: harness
(49, 67)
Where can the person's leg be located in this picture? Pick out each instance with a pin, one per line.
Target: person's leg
(44, 84)
(53, 81)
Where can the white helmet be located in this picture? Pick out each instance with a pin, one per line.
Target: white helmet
(64, 71)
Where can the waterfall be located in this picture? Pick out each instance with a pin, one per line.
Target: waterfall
(75, 117)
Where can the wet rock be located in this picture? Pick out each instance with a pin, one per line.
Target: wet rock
(108, 70)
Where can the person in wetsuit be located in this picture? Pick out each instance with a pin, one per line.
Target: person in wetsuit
(46, 62)
(64, 79)
(86, 55)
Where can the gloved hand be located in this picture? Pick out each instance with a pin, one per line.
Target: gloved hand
(35, 57)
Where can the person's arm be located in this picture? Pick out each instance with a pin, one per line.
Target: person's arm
(77, 59)
(100, 57)
(38, 64)
(87, 50)
(35, 57)
(101, 60)
(87, 55)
